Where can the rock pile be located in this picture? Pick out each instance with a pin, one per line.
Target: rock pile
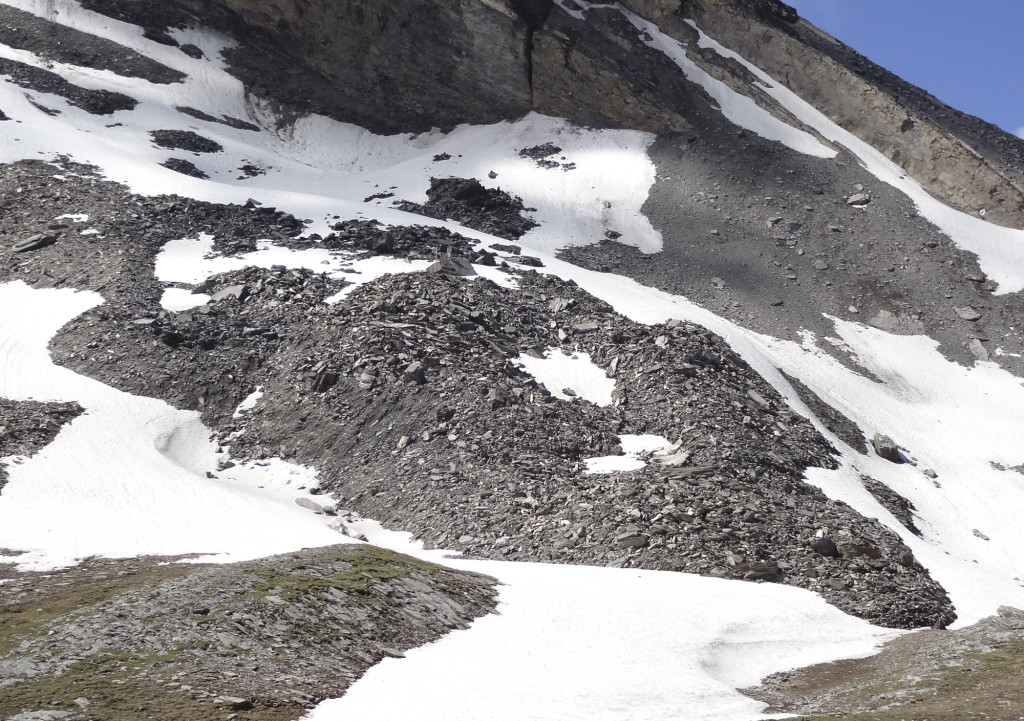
(407, 397)
(467, 201)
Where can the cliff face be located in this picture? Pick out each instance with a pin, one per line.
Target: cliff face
(390, 66)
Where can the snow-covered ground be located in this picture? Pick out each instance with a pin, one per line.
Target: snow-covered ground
(130, 475)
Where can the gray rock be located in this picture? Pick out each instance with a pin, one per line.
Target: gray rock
(858, 550)
(858, 199)
(886, 448)
(631, 539)
(309, 505)
(35, 242)
(234, 702)
(234, 291)
(324, 380)
(978, 350)
(414, 372)
(455, 267)
(898, 324)
(757, 398)
(968, 313)
(762, 572)
(825, 546)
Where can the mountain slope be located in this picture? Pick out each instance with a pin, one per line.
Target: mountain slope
(631, 336)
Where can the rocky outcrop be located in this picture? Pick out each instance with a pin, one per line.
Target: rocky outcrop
(410, 66)
(113, 639)
(390, 66)
(599, 74)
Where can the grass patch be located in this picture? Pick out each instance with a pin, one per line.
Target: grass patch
(368, 567)
(127, 699)
(54, 597)
(984, 686)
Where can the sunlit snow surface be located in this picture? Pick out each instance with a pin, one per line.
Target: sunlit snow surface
(573, 372)
(129, 476)
(635, 450)
(575, 642)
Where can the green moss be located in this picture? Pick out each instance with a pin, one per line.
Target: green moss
(984, 685)
(369, 567)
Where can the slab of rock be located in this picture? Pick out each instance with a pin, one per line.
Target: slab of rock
(968, 313)
(886, 448)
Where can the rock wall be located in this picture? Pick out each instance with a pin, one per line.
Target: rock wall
(390, 66)
(599, 74)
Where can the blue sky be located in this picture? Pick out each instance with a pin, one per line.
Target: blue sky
(967, 53)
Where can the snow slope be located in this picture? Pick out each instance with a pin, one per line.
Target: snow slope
(574, 642)
(129, 476)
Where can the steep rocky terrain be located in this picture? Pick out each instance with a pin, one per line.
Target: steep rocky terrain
(408, 398)
(412, 392)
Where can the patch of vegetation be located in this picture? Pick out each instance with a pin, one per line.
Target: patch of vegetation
(29, 618)
(368, 567)
(112, 693)
(985, 685)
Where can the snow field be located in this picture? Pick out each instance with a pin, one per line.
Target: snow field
(127, 477)
(576, 642)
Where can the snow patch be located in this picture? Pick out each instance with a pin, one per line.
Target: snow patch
(560, 372)
(249, 403)
(636, 449)
(179, 299)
